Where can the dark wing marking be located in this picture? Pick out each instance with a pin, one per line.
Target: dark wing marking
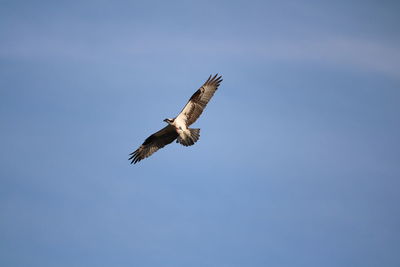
(153, 143)
(197, 103)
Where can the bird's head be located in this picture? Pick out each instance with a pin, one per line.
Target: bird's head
(169, 121)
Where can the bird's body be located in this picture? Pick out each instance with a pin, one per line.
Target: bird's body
(178, 127)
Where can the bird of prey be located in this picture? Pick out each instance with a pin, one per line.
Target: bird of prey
(178, 127)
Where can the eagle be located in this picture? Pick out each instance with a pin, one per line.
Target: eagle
(178, 127)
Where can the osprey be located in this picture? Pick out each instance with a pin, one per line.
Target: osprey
(178, 127)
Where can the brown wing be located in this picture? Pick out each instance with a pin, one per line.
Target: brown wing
(153, 143)
(197, 103)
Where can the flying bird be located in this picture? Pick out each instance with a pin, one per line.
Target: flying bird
(178, 127)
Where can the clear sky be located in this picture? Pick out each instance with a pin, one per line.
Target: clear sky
(298, 163)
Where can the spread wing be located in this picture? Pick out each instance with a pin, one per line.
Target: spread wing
(153, 143)
(197, 103)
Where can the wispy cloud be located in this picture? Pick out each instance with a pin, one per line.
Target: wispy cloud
(370, 55)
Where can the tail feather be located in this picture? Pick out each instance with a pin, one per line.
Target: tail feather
(189, 137)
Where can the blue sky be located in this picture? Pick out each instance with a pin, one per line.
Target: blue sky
(298, 160)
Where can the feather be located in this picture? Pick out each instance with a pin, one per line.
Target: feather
(199, 100)
(153, 143)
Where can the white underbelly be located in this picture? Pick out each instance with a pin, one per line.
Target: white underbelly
(180, 125)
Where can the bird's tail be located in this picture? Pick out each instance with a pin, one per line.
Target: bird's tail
(189, 137)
